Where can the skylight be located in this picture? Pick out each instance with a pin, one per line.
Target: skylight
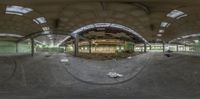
(161, 31)
(164, 24)
(45, 28)
(40, 20)
(16, 13)
(159, 35)
(176, 14)
(10, 35)
(181, 16)
(17, 10)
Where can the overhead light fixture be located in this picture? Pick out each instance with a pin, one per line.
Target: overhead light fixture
(45, 28)
(164, 24)
(185, 37)
(49, 36)
(176, 14)
(161, 31)
(16, 13)
(158, 40)
(17, 10)
(40, 20)
(159, 35)
(181, 16)
(10, 35)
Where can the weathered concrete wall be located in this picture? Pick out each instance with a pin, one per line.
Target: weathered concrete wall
(10, 47)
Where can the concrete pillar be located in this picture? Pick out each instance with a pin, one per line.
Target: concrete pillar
(185, 47)
(149, 47)
(177, 47)
(16, 47)
(163, 47)
(32, 47)
(76, 45)
(133, 48)
(90, 46)
(145, 47)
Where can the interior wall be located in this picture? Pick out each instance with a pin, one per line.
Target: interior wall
(24, 47)
(7, 47)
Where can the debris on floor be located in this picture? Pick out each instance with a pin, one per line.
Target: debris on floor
(114, 75)
(65, 60)
(129, 57)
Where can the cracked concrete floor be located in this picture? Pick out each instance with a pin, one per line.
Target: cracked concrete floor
(41, 77)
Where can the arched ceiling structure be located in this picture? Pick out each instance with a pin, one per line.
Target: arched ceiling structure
(143, 16)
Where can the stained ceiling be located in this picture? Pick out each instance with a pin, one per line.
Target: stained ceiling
(143, 16)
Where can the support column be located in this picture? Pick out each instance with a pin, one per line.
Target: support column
(145, 47)
(163, 47)
(16, 47)
(177, 47)
(185, 47)
(90, 46)
(32, 47)
(133, 48)
(76, 45)
(149, 47)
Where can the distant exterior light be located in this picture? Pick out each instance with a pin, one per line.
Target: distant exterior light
(175, 14)
(18, 10)
(40, 20)
(159, 35)
(164, 24)
(196, 41)
(161, 31)
(10, 35)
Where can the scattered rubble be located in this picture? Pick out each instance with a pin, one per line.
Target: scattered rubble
(114, 75)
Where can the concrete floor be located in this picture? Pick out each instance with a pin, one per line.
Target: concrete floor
(42, 77)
